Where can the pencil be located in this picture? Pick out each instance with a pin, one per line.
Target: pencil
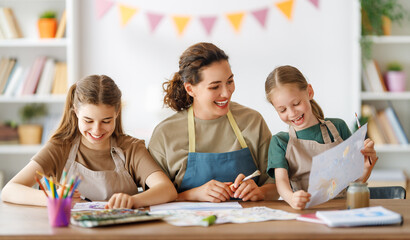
(254, 174)
(40, 185)
(358, 125)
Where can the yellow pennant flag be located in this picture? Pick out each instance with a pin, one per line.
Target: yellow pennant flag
(236, 20)
(286, 7)
(126, 13)
(181, 22)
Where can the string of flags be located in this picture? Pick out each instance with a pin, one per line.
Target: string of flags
(127, 12)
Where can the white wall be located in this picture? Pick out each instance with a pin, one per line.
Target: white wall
(320, 42)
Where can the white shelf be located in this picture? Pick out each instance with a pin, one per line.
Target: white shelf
(392, 148)
(33, 98)
(19, 149)
(389, 39)
(33, 42)
(382, 96)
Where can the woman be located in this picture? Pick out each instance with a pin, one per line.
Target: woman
(211, 142)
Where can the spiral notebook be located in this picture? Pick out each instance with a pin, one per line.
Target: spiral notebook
(97, 218)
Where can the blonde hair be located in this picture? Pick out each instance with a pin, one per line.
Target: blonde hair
(191, 63)
(290, 75)
(93, 89)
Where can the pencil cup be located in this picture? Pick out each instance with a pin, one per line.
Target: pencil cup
(59, 211)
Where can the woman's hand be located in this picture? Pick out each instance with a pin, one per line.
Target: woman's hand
(120, 200)
(247, 190)
(212, 191)
(299, 199)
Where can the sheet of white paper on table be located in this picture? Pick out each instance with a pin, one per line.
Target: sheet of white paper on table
(195, 206)
(334, 169)
(86, 206)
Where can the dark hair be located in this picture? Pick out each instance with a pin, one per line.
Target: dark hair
(290, 75)
(191, 62)
(94, 89)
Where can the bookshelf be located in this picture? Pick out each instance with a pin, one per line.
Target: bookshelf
(26, 50)
(386, 49)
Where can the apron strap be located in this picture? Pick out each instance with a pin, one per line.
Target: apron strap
(191, 130)
(236, 130)
(334, 131)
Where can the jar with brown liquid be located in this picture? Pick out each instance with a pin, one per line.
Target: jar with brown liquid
(358, 195)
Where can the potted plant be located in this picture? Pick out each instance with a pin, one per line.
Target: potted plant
(395, 77)
(377, 16)
(47, 24)
(30, 130)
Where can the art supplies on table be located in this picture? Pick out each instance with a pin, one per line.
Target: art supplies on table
(106, 217)
(239, 215)
(310, 217)
(89, 206)
(195, 206)
(360, 217)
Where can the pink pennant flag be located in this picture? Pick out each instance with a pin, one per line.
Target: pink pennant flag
(315, 3)
(208, 23)
(154, 19)
(260, 15)
(102, 7)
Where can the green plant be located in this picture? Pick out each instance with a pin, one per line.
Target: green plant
(48, 14)
(394, 66)
(33, 111)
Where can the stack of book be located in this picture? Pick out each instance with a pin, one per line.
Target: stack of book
(9, 27)
(373, 80)
(384, 126)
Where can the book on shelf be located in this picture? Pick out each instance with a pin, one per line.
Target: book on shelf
(396, 124)
(374, 128)
(373, 77)
(60, 84)
(14, 81)
(47, 76)
(31, 82)
(9, 24)
(61, 26)
(5, 73)
(387, 128)
(369, 216)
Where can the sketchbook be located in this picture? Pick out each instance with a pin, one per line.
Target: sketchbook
(97, 218)
(360, 217)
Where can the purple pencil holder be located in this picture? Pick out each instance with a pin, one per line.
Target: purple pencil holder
(59, 211)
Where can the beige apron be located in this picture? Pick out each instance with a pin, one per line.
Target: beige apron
(299, 154)
(101, 185)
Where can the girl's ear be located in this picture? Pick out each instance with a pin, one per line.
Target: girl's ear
(311, 93)
(188, 88)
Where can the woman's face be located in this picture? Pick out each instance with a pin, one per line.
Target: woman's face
(213, 94)
(96, 124)
(293, 105)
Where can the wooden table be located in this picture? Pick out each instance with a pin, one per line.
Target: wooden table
(28, 222)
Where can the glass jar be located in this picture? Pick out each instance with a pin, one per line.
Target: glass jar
(358, 195)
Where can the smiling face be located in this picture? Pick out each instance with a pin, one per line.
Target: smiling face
(293, 105)
(96, 124)
(213, 94)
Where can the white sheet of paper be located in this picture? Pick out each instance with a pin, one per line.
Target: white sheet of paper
(195, 206)
(334, 169)
(86, 206)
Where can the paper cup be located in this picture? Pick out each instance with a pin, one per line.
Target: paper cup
(59, 211)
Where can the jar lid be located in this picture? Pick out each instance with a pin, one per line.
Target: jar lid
(358, 184)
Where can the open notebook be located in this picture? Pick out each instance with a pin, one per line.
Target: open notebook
(106, 217)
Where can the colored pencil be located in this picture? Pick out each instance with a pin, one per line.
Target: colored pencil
(40, 185)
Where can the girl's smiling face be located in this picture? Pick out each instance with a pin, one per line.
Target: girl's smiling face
(96, 124)
(293, 105)
(213, 94)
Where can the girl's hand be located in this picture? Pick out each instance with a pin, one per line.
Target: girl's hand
(76, 198)
(247, 190)
(213, 191)
(369, 152)
(120, 200)
(299, 199)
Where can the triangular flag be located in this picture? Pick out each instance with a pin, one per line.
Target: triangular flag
(102, 7)
(181, 22)
(260, 15)
(286, 7)
(126, 13)
(208, 23)
(154, 19)
(236, 20)
(315, 2)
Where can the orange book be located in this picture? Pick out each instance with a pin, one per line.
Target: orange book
(61, 26)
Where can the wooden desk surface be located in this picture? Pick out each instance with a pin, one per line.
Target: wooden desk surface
(28, 222)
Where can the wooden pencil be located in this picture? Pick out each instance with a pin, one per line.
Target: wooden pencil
(40, 185)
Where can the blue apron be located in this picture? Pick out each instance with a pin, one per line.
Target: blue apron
(223, 167)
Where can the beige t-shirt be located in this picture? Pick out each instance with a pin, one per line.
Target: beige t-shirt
(169, 141)
(138, 162)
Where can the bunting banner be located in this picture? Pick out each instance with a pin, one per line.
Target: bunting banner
(181, 22)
